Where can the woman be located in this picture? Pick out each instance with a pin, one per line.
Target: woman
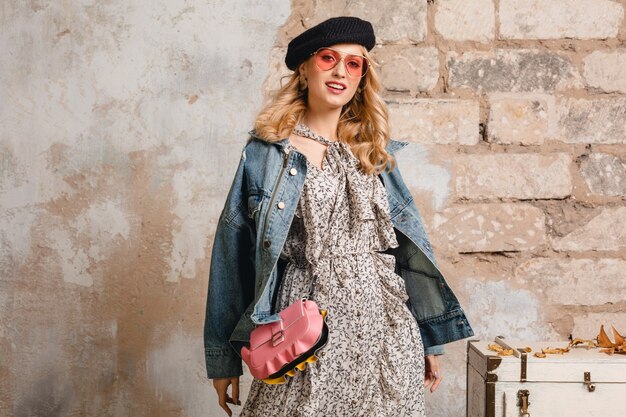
(317, 192)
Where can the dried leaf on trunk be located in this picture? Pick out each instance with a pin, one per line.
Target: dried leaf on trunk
(619, 339)
(609, 351)
(588, 343)
(610, 348)
(501, 351)
(540, 354)
(603, 339)
(559, 351)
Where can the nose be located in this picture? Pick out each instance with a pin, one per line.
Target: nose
(340, 68)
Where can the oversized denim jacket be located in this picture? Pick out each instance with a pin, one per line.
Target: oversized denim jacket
(246, 271)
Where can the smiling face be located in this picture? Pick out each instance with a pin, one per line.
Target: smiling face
(333, 88)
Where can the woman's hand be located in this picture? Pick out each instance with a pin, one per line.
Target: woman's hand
(221, 386)
(433, 373)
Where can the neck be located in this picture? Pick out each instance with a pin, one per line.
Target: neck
(323, 122)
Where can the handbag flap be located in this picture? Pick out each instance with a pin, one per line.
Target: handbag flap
(293, 315)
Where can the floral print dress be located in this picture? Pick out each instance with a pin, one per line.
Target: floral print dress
(373, 363)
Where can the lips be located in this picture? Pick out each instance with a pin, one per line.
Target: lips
(335, 86)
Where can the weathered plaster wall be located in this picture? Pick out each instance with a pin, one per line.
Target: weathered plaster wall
(122, 123)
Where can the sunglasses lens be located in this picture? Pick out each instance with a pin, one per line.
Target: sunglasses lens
(326, 59)
(355, 65)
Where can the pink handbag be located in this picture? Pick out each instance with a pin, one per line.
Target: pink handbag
(279, 348)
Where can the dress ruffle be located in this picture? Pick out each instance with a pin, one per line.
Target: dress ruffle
(366, 201)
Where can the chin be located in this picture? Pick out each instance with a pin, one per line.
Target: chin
(337, 103)
(331, 101)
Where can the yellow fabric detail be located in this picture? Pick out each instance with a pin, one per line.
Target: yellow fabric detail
(279, 380)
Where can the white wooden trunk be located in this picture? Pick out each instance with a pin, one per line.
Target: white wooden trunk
(555, 384)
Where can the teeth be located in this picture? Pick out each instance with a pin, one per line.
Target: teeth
(337, 86)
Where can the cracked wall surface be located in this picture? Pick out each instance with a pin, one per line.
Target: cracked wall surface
(122, 124)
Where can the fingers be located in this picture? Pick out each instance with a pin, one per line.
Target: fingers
(230, 400)
(222, 403)
(432, 376)
(431, 380)
(436, 383)
(428, 379)
(235, 390)
(221, 387)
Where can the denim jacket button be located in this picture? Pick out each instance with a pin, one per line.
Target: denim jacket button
(281, 205)
(266, 244)
(293, 171)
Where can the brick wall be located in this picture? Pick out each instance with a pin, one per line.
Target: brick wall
(516, 115)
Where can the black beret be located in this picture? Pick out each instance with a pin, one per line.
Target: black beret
(343, 29)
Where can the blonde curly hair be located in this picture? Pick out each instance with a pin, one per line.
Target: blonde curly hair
(363, 122)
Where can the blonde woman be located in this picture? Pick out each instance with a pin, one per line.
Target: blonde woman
(317, 192)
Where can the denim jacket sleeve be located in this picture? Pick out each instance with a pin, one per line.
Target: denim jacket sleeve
(434, 350)
(231, 279)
